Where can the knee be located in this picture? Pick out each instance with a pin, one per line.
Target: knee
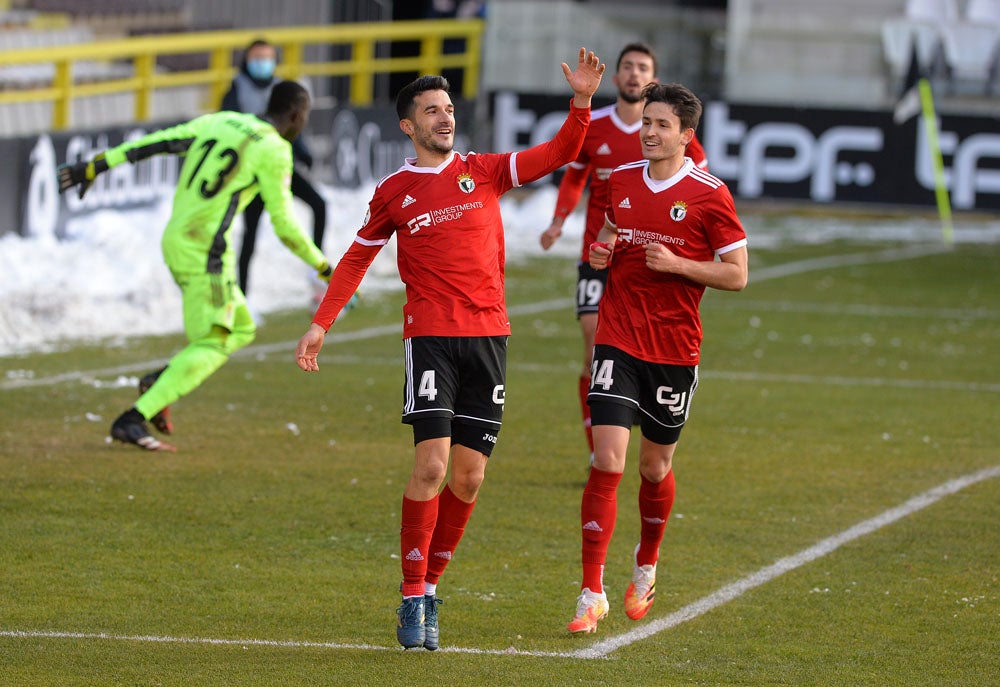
(656, 467)
(465, 485)
(430, 473)
(241, 337)
(655, 473)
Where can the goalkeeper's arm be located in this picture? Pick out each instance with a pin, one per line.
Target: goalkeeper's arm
(173, 141)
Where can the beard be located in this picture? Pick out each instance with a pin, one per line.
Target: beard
(629, 98)
(426, 139)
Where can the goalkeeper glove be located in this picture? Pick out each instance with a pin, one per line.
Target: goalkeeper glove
(81, 174)
(325, 271)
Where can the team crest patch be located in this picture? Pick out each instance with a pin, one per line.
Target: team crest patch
(678, 211)
(466, 183)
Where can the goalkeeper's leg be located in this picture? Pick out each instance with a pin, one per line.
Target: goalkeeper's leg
(215, 330)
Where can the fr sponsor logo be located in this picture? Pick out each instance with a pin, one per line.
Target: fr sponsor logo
(640, 237)
(441, 215)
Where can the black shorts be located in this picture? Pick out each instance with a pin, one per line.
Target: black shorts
(589, 288)
(623, 387)
(459, 378)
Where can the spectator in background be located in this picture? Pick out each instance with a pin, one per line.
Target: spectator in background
(249, 92)
(612, 140)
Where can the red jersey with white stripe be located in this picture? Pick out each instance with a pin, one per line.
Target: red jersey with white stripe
(650, 315)
(609, 143)
(450, 248)
(447, 222)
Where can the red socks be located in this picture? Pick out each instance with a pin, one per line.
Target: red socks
(428, 537)
(655, 501)
(453, 514)
(418, 518)
(598, 512)
(584, 388)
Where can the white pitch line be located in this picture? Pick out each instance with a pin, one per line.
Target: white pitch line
(601, 649)
(294, 644)
(881, 382)
(253, 350)
(764, 274)
(784, 565)
(832, 261)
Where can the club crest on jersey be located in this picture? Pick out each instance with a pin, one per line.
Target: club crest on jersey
(678, 211)
(466, 183)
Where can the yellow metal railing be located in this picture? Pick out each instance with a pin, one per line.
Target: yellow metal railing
(361, 67)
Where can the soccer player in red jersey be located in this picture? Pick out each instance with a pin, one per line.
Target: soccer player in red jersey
(443, 208)
(666, 222)
(612, 140)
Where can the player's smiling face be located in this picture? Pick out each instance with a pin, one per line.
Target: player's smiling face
(433, 122)
(661, 133)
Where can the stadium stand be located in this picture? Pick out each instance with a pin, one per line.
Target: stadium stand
(46, 23)
(958, 51)
(984, 12)
(916, 34)
(119, 17)
(970, 55)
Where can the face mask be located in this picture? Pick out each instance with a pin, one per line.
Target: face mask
(261, 69)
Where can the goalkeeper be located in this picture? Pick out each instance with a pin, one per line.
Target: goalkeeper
(230, 157)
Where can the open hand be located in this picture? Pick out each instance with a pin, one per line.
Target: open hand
(587, 77)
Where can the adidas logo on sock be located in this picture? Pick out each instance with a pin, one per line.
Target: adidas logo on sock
(414, 555)
(654, 521)
(625, 204)
(444, 554)
(593, 526)
(409, 200)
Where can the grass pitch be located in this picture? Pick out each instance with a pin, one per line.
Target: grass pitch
(844, 381)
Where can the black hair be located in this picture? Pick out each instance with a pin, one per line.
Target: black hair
(408, 93)
(686, 104)
(287, 97)
(258, 43)
(644, 48)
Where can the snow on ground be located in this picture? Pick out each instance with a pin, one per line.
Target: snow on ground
(107, 280)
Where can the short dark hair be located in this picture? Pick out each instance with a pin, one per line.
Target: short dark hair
(644, 48)
(408, 93)
(287, 97)
(686, 104)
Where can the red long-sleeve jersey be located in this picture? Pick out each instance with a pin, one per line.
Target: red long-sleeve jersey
(449, 233)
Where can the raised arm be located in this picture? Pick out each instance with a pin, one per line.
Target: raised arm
(171, 141)
(545, 158)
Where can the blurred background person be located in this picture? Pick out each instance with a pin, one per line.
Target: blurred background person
(249, 92)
